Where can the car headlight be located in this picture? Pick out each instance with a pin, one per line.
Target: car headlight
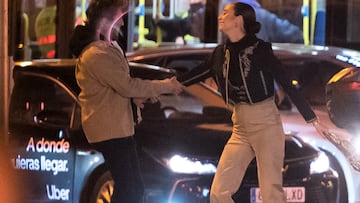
(181, 164)
(320, 165)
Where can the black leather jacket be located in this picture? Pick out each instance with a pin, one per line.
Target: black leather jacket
(258, 69)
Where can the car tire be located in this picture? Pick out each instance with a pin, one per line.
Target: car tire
(342, 192)
(102, 189)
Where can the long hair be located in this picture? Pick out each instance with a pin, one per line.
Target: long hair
(248, 13)
(97, 9)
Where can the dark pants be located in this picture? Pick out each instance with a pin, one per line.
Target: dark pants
(122, 161)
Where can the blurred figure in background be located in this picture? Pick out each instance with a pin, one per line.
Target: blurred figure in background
(186, 26)
(196, 15)
(273, 28)
(45, 30)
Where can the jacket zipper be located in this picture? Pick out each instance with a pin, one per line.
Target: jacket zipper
(244, 81)
(263, 82)
(227, 62)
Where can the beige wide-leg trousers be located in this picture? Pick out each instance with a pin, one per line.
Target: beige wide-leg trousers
(257, 132)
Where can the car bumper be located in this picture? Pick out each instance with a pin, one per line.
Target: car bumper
(180, 190)
(320, 188)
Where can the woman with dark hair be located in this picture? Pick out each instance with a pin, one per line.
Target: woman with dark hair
(102, 73)
(244, 68)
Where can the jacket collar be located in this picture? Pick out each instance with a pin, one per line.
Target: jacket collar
(243, 43)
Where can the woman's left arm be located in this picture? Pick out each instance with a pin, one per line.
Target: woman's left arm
(282, 78)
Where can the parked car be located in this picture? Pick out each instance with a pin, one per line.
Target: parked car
(310, 68)
(179, 142)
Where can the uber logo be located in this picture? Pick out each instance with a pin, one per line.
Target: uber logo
(55, 193)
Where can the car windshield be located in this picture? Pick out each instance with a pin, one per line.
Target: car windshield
(307, 74)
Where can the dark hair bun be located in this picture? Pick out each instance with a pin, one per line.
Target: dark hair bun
(248, 13)
(252, 28)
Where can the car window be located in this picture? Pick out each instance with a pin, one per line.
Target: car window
(184, 63)
(310, 76)
(180, 62)
(41, 149)
(33, 96)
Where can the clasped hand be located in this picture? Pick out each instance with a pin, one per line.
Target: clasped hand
(175, 87)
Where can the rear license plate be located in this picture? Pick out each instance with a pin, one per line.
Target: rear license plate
(293, 194)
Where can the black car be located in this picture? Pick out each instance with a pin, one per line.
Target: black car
(179, 142)
(327, 76)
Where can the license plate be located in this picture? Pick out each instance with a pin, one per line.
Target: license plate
(293, 194)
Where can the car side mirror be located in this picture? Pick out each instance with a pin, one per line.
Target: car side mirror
(52, 119)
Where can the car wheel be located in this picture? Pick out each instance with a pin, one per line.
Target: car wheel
(103, 189)
(342, 191)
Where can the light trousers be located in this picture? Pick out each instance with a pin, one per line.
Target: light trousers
(257, 132)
